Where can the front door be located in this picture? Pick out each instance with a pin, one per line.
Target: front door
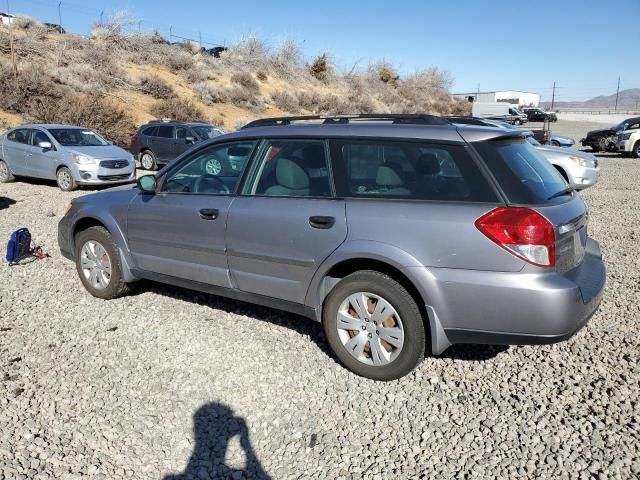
(286, 222)
(180, 230)
(41, 161)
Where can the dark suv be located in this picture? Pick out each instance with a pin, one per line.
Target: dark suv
(399, 233)
(159, 142)
(539, 115)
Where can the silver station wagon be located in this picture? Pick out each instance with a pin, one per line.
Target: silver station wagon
(402, 234)
(70, 155)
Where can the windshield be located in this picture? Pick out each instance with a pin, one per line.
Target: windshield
(525, 176)
(77, 137)
(533, 141)
(205, 132)
(621, 126)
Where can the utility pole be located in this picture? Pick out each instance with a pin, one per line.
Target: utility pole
(200, 38)
(101, 17)
(12, 47)
(170, 33)
(553, 95)
(139, 25)
(617, 94)
(60, 13)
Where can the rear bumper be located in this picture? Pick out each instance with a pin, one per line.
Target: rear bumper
(513, 308)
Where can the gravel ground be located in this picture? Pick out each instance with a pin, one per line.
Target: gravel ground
(171, 382)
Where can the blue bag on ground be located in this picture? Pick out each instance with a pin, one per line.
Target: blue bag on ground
(19, 245)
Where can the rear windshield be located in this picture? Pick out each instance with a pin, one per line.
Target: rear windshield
(526, 177)
(411, 170)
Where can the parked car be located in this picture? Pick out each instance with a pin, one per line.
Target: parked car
(539, 115)
(605, 139)
(157, 143)
(505, 112)
(70, 155)
(398, 239)
(628, 141)
(579, 169)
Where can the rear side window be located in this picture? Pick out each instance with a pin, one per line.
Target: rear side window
(525, 176)
(21, 135)
(409, 170)
(150, 131)
(165, 131)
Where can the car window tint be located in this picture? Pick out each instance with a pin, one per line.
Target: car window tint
(21, 135)
(150, 131)
(410, 170)
(39, 136)
(181, 132)
(291, 168)
(212, 170)
(525, 176)
(165, 131)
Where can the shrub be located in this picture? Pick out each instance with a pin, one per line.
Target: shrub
(386, 74)
(309, 100)
(241, 122)
(19, 94)
(244, 97)
(260, 75)
(217, 120)
(156, 87)
(91, 111)
(177, 109)
(321, 67)
(286, 101)
(245, 80)
(208, 94)
(287, 59)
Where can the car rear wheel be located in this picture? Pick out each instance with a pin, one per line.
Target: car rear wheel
(374, 326)
(5, 173)
(98, 264)
(65, 179)
(555, 143)
(517, 122)
(148, 160)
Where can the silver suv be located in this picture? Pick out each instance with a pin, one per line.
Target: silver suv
(399, 233)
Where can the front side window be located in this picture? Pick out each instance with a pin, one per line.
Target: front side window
(20, 135)
(39, 136)
(291, 168)
(417, 171)
(77, 137)
(181, 132)
(215, 169)
(206, 132)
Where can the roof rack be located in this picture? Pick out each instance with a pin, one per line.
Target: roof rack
(396, 118)
(170, 120)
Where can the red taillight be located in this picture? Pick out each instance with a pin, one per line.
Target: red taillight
(545, 137)
(521, 231)
(134, 139)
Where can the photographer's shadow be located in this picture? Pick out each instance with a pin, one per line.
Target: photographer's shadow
(215, 425)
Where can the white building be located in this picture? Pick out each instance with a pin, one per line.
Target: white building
(508, 96)
(6, 18)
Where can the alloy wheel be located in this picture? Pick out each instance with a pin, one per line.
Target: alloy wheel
(146, 161)
(213, 166)
(4, 171)
(64, 179)
(370, 328)
(95, 264)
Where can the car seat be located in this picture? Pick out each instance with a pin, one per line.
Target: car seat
(291, 178)
(390, 178)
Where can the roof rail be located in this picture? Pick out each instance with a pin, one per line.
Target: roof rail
(397, 118)
(170, 120)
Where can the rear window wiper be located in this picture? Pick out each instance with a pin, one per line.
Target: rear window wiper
(564, 191)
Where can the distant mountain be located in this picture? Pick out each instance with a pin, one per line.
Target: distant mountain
(628, 100)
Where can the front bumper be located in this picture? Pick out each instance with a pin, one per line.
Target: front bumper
(514, 308)
(583, 177)
(97, 175)
(624, 145)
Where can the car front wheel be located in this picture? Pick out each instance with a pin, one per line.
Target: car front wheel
(636, 149)
(98, 264)
(374, 326)
(65, 179)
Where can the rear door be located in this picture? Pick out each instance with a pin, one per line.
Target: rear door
(287, 220)
(15, 151)
(163, 143)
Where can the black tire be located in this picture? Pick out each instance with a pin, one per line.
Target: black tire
(412, 352)
(595, 148)
(636, 150)
(116, 287)
(65, 180)
(148, 160)
(5, 173)
(554, 143)
(517, 122)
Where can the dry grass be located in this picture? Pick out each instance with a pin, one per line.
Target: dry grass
(177, 109)
(156, 87)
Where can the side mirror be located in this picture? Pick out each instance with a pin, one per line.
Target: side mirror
(45, 145)
(190, 139)
(147, 183)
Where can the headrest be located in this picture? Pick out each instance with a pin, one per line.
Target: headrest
(291, 175)
(428, 164)
(389, 174)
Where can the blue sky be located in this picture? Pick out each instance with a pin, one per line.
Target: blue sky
(496, 44)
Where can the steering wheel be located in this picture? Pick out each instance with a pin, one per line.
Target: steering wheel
(207, 178)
